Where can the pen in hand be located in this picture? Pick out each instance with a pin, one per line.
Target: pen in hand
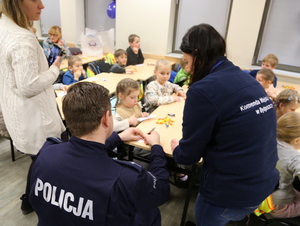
(151, 131)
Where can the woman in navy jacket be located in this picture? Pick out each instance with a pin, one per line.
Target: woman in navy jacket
(232, 128)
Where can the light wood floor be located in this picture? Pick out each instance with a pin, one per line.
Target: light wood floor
(13, 180)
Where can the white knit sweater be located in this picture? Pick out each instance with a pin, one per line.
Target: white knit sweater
(26, 95)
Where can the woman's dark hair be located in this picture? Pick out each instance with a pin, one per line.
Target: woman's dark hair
(205, 45)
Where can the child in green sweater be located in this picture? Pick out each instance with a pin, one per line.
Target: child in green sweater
(182, 77)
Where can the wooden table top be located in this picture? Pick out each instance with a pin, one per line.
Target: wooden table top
(166, 133)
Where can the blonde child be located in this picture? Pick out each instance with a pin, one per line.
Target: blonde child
(286, 199)
(269, 62)
(75, 72)
(54, 38)
(161, 91)
(121, 59)
(134, 52)
(128, 108)
(286, 101)
(266, 78)
(182, 77)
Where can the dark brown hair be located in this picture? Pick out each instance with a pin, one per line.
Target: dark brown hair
(120, 52)
(205, 45)
(132, 37)
(267, 74)
(84, 106)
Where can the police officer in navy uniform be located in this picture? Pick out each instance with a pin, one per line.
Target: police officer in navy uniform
(79, 183)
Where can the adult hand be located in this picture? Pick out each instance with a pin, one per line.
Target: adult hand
(60, 42)
(57, 62)
(174, 144)
(131, 134)
(152, 138)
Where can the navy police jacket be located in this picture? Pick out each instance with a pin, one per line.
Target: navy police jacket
(77, 183)
(230, 122)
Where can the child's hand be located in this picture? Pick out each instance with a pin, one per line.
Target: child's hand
(64, 88)
(77, 74)
(181, 93)
(83, 73)
(175, 97)
(128, 70)
(133, 120)
(145, 114)
(135, 50)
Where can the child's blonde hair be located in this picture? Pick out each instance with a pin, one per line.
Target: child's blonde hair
(120, 52)
(126, 86)
(56, 30)
(286, 97)
(162, 62)
(288, 127)
(73, 59)
(268, 74)
(272, 59)
(132, 37)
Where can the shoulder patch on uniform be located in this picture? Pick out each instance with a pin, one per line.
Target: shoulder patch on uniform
(131, 164)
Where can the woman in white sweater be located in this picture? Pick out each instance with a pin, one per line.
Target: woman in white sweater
(26, 94)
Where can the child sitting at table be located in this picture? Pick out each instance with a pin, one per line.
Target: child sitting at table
(128, 108)
(266, 78)
(75, 72)
(134, 52)
(182, 77)
(270, 62)
(286, 101)
(121, 59)
(161, 91)
(286, 199)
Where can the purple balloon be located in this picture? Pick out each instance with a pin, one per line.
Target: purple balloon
(111, 10)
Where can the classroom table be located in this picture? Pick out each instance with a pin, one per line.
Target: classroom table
(85, 60)
(283, 85)
(173, 131)
(166, 133)
(110, 80)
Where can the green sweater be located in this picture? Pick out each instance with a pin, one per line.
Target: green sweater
(181, 76)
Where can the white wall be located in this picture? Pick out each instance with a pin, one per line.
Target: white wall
(243, 31)
(152, 20)
(72, 19)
